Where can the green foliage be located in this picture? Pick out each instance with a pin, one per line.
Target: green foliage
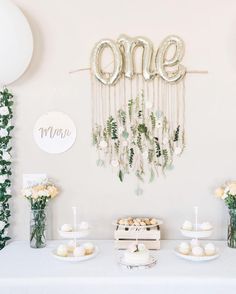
(117, 145)
(176, 135)
(131, 157)
(38, 227)
(158, 148)
(150, 155)
(142, 128)
(105, 134)
(122, 116)
(121, 175)
(230, 201)
(139, 142)
(166, 157)
(94, 139)
(139, 175)
(109, 126)
(100, 162)
(130, 107)
(152, 175)
(114, 135)
(112, 128)
(96, 134)
(139, 130)
(125, 134)
(6, 128)
(153, 120)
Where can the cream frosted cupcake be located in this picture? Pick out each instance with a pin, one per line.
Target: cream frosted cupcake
(72, 244)
(197, 251)
(89, 248)
(79, 251)
(62, 250)
(206, 226)
(66, 228)
(184, 248)
(187, 225)
(194, 243)
(210, 249)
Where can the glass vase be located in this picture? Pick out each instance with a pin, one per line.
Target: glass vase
(232, 228)
(38, 219)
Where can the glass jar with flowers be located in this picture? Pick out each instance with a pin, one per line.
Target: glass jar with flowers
(38, 196)
(227, 192)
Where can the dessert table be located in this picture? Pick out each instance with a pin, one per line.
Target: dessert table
(24, 271)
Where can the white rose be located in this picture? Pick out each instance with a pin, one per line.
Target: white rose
(225, 195)
(2, 225)
(4, 110)
(141, 247)
(27, 193)
(3, 133)
(2, 179)
(232, 189)
(43, 193)
(6, 156)
(219, 192)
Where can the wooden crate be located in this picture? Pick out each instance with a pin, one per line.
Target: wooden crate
(125, 236)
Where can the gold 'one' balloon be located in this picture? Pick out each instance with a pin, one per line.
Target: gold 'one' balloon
(96, 62)
(170, 69)
(129, 45)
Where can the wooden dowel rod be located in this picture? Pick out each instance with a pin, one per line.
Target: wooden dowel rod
(188, 71)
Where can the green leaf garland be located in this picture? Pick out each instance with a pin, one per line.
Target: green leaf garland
(6, 114)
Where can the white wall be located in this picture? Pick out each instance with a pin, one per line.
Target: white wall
(64, 33)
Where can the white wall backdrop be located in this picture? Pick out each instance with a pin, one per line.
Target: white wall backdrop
(64, 34)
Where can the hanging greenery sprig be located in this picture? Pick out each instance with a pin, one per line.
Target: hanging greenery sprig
(6, 128)
(133, 140)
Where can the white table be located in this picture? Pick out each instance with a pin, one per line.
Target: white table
(35, 271)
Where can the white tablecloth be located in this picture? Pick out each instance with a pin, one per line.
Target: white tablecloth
(35, 271)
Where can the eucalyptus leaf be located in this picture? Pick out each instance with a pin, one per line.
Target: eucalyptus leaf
(121, 175)
(125, 134)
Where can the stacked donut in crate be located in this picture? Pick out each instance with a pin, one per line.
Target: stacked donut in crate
(142, 229)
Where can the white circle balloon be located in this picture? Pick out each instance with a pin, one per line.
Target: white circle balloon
(54, 132)
(16, 42)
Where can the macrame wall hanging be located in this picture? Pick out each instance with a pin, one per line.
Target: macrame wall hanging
(138, 118)
(138, 122)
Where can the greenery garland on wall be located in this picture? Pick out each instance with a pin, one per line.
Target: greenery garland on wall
(6, 128)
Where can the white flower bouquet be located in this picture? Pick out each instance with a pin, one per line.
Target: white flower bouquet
(227, 192)
(38, 196)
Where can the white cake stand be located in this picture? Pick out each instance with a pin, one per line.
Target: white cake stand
(152, 262)
(74, 235)
(197, 233)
